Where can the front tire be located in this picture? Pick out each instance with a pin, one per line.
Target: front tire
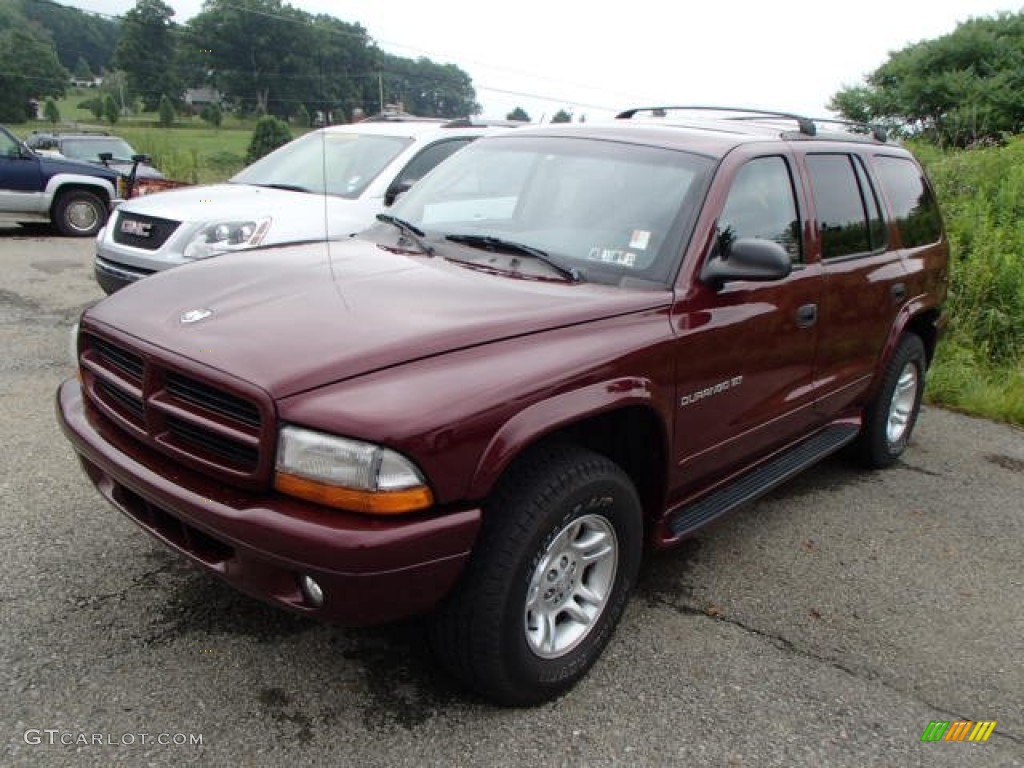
(891, 416)
(548, 581)
(79, 213)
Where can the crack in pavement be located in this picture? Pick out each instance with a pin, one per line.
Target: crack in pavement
(790, 647)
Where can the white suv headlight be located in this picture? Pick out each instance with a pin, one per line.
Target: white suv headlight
(348, 474)
(217, 237)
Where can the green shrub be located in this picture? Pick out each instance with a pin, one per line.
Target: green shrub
(270, 134)
(980, 366)
(166, 112)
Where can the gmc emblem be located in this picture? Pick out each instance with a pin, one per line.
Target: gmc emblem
(136, 228)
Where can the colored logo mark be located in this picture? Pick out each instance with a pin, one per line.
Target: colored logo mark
(960, 730)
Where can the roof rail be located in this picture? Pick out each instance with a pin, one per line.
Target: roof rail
(804, 124)
(877, 132)
(808, 126)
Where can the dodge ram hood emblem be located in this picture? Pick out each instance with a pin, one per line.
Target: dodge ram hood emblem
(194, 316)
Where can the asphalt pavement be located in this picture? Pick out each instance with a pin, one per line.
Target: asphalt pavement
(826, 625)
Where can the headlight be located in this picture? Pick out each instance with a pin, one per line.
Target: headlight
(348, 474)
(223, 236)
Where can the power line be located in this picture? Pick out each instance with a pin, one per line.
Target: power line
(307, 19)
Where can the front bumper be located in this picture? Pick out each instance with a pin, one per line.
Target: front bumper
(113, 277)
(371, 570)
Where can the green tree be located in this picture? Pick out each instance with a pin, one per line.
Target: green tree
(957, 89)
(95, 105)
(29, 68)
(51, 112)
(82, 71)
(147, 52)
(562, 116)
(270, 134)
(302, 116)
(518, 114)
(427, 88)
(110, 109)
(212, 114)
(259, 52)
(166, 112)
(77, 35)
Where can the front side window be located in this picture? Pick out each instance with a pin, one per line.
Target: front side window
(324, 162)
(761, 205)
(428, 158)
(610, 211)
(911, 199)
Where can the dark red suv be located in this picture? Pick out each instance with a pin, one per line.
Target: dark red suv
(564, 344)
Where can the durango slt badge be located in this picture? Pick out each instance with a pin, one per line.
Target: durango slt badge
(136, 228)
(194, 316)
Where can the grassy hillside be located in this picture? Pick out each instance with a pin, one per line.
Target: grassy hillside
(980, 364)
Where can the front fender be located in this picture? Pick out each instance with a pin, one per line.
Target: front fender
(547, 416)
(60, 180)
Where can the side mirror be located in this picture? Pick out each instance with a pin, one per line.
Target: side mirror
(396, 190)
(747, 259)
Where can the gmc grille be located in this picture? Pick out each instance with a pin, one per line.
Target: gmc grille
(138, 231)
(180, 414)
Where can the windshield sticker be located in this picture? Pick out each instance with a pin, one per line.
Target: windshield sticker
(613, 256)
(640, 240)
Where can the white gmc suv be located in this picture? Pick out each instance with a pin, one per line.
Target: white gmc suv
(329, 183)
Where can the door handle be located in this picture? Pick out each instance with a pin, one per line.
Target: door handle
(807, 315)
(898, 291)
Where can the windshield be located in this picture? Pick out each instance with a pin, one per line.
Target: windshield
(91, 149)
(612, 212)
(324, 162)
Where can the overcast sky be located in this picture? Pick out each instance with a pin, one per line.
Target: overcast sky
(545, 55)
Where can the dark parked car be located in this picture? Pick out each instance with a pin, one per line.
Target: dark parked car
(564, 344)
(97, 147)
(75, 196)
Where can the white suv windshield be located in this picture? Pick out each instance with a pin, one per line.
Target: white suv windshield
(325, 162)
(608, 211)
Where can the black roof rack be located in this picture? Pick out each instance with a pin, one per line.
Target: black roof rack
(807, 126)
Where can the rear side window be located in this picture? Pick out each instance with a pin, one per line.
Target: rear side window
(849, 219)
(913, 205)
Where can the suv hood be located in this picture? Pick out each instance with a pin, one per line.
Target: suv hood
(297, 216)
(50, 166)
(296, 318)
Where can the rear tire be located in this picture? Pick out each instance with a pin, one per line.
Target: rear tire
(889, 419)
(548, 580)
(79, 213)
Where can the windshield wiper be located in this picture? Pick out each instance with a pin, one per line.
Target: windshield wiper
(285, 187)
(491, 243)
(411, 231)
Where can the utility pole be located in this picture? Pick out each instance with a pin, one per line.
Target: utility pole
(380, 89)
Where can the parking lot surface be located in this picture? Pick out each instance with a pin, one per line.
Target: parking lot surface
(826, 625)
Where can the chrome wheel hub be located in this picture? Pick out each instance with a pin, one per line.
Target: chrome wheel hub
(570, 586)
(902, 404)
(82, 216)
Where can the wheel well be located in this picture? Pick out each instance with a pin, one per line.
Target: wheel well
(100, 192)
(634, 438)
(924, 326)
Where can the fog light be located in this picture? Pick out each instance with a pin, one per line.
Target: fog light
(311, 592)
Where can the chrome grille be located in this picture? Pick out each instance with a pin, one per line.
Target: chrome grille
(192, 419)
(147, 232)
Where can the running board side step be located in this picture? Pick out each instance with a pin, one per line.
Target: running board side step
(761, 480)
